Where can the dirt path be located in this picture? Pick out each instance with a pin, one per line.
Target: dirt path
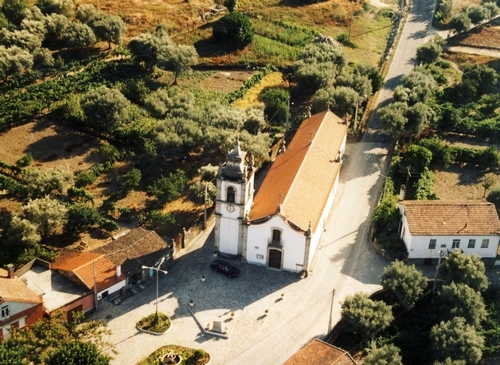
(475, 51)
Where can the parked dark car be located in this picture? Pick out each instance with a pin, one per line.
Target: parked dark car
(225, 267)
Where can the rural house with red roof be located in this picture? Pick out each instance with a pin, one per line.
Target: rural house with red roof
(19, 306)
(91, 271)
(430, 226)
(281, 227)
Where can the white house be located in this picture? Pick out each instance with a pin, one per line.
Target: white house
(428, 226)
(282, 226)
(19, 305)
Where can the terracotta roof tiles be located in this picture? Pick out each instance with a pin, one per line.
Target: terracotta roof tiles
(451, 218)
(80, 267)
(319, 352)
(136, 248)
(16, 290)
(302, 177)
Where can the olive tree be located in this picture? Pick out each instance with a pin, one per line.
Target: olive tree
(20, 38)
(145, 47)
(318, 65)
(341, 100)
(55, 27)
(393, 117)
(78, 35)
(429, 52)
(460, 23)
(109, 28)
(23, 232)
(406, 282)
(385, 355)
(14, 61)
(177, 58)
(366, 316)
(466, 269)
(13, 10)
(105, 109)
(418, 86)
(46, 213)
(38, 183)
(460, 300)
(62, 7)
(106, 27)
(478, 14)
(457, 340)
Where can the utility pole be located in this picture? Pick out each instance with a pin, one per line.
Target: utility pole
(441, 254)
(205, 210)
(331, 313)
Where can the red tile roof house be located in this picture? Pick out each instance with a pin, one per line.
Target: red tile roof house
(138, 247)
(19, 306)
(318, 352)
(281, 228)
(93, 272)
(430, 226)
(58, 292)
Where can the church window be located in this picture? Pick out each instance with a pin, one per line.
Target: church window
(276, 236)
(230, 194)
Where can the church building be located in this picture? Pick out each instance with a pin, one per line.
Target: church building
(281, 227)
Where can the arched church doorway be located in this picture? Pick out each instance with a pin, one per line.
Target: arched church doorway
(275, 257)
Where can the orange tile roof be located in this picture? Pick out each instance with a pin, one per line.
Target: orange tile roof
(451, 218)
(302, 177)
(80, 266)
(16, 290)
(319, 352)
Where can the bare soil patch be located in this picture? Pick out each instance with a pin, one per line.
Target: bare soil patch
(226, 81)
(458, 182)
(481, 37)
(50, 145)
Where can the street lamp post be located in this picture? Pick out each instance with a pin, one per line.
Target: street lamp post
(157, 274)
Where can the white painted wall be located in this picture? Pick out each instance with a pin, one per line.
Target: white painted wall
(5, 329)
(229, 231)
(17, 307)
(418, 246)
(114, 288)
(259, 236)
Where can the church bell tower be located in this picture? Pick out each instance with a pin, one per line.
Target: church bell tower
(235, 188)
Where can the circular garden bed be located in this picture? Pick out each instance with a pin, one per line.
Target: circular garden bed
(155, 323)
(185, 355)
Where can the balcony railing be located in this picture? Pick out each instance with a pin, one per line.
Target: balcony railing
(275, 243)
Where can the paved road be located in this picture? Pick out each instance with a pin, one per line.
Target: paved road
(345, 263)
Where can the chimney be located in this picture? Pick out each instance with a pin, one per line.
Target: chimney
(10, 270)
(118, 271)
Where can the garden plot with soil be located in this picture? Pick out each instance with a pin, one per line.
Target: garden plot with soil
(461, 181)
(482, 37)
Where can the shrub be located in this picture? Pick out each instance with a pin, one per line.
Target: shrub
(156, 218)
(235, 29)
(169, 188)
(276, 109)
(85, 178)
(346, 41)
(494, 196)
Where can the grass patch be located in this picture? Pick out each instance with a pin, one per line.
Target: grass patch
(189, 356)
(252, 96)
(153, 323)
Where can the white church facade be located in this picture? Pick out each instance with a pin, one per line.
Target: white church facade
(282, 225)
